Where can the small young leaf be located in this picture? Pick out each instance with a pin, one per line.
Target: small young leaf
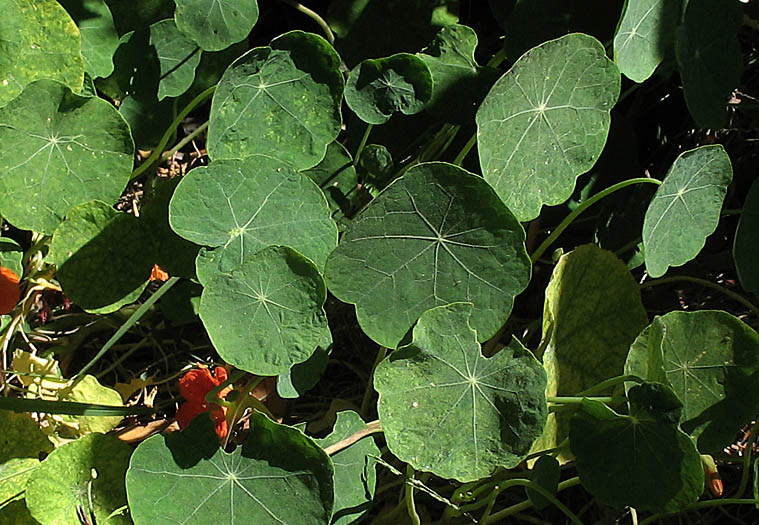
(283, 101)
(447, 409)
(216, 24)
(436, 235)
(377, 89)
(545, 122)
(178, 57)
(686, 207)
(546, 472)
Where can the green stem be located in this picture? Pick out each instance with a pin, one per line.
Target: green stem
(170, 131)
(701, 505)
(603, 385)
(182, 143)
(707, 284)
(313, 15)
(465, 150)
(499, 516)
(747, 460)
(576, 400)
(409, 496)
(124, 328)
(362, 144)
(584, 206)
(123, 357)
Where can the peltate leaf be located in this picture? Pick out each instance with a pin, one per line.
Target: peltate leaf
(545, 122)
(14, 475)
(619, 457)
(746, 246)
(591, 316)
(99, 37)
(434, 236)
(645, 36)
(277, 476)
(303, 376)
(240, 207)
(283, 101)
(93, 465)
(379, 88)
(39, 41)
(685, 209)
(446, 409)
(216, 24)
(710, 359)
(267, 314)
(59, 150)
(178, 57)
(710, 58)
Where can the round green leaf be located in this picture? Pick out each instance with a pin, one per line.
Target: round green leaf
(243, 206)
(685, 209)
(267, 314)
(14, 474)
(216, 24)
(355, 476)
(277, 476)
(546, 472)
(446, 409)
(178, 57)
(434, 236)
(91, 240)
(746, 246)
(93, 464)
(21, 437)
(642, 460)
(282, 101)
(545, 122)
(592, 314)
(709, 57)
(337, 177)
(59, 150)
(711, 361)
(99, 37)
(11, 255)
(379, 88)
(39, 41)
(89, 390)
(303, 376)
(645, 36)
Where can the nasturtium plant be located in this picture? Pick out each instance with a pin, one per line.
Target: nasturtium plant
(686, 207)
(277, 476)
(447, 409)
(419, 261)
(59, 150)
(530, 144)
(436, 235)
(281, 100)
(710, 359)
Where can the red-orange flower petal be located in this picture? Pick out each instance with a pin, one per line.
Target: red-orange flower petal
(10, 292)
(188, 411)
(195, 384)
(158, 274)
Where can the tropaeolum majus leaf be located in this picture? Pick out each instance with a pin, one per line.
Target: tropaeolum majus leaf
(215, 24)
(283, 101)
(447, 409)
(239, 207)
(746, 245)
(267, 314)
(40, 40)
(88, 470)
(685, 209)
(545, 122)
(379, 88)
(99, 36)
(710, 359)
(277, 476)
(59, 150)
(640, 460)
(645, 36)
(177, 55)
(434, 236)
(592, 314)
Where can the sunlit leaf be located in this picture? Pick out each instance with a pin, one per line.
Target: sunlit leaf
(216, 24)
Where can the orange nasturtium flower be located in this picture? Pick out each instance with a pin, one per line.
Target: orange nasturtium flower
(194, 386)
(10, 291)
(158, 274)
